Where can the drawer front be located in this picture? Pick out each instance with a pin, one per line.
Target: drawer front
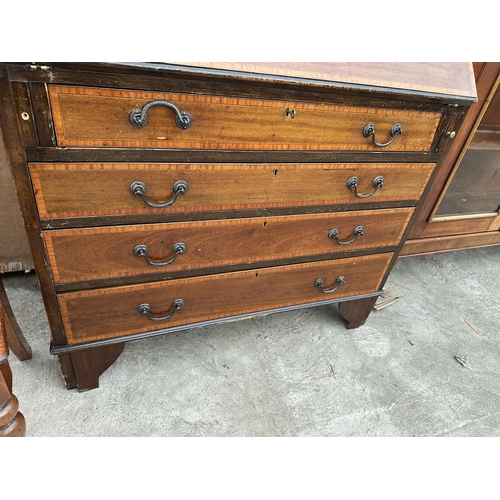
(112, 252)
(78, 190)
(95, 117)
(114, 312)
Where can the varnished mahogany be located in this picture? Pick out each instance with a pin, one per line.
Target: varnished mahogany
(114, 310)
(268, 159)
(78, 190)
(431, 234)
(93, 254)
(90, 117)
(12, 422)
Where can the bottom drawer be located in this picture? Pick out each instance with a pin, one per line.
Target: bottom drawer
(114, 312)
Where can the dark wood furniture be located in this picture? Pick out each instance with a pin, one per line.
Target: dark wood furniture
(12, 422)
(462, 209)
(160, 197)
(15, 339)
(15, 252)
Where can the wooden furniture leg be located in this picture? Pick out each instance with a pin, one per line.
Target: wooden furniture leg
(15, 338)
(89, 364)
(355, 312)
(12, 422)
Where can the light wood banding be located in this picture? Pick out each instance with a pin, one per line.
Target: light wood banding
(76, 190)
(112, 312)
(97, 117)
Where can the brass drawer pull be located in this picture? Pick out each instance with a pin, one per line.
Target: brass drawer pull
(352, 183)
(139, 118)
(334, 235)
(144, 309)
(340, 281)
(142, 251)
(138, 188)
(369, 130)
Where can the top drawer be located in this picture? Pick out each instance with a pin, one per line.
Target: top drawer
(96, 117)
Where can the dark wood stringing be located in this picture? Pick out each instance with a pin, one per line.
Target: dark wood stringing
(132, 155)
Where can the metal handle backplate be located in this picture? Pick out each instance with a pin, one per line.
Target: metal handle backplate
(340, 281)
(142, 251)
(334, 235)
(369, 131)
(138, 188)
(145, 308)
(352, 183)
(139, 118)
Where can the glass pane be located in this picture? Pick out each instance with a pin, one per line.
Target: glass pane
(475, 187)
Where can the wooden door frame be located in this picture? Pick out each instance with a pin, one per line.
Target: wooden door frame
(453, 233)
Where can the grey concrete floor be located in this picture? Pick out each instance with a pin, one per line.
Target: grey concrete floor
(299, 373)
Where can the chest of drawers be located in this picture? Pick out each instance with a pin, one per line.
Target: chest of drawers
(163, 197)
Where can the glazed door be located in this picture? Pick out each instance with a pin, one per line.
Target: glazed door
(464, 209)
(474, 187)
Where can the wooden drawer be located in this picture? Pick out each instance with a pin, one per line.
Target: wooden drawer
(78, 190)
(113, 312)
(96, 117)
(108, 252)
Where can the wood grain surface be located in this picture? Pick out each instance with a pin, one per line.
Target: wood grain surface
(437, 77)
(459, 225)
(112, 312)
(12, 422)
(96, 117)
(89, 364)
(19, 169)
(15, 252)
(488, 79)
(107, 252)
(15, 338)
(448, 243)
(77, 190)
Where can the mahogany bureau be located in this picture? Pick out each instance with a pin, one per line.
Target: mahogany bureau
(160, 197)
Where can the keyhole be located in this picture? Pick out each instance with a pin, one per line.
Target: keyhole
(256, 275)
(275, 172)
(265, 223)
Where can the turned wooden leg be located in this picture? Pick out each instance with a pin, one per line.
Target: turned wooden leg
(12, 423)
(89, 364)
(15, 338)
(356, 311)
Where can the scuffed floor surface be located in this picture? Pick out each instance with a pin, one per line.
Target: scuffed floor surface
(293, 374)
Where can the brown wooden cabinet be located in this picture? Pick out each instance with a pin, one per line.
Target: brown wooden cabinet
(463, 206)
(161, 197)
